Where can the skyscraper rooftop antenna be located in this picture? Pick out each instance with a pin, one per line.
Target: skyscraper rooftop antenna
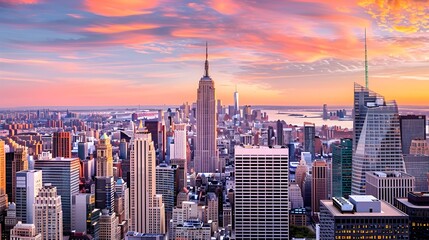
(366, 63)
(206, 74)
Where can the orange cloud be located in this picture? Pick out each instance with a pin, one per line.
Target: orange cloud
(227, 7)
(406, 16)
(117, 28)
(117, 8)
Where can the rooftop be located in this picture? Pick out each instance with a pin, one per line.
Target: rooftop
(387, 210)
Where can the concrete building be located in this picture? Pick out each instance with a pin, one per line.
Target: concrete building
(300, 174)
(319, 184)
(193, 229)
(48, 213)
(62, 173)
(108, 226)
(298, 217)
(28, 184)
(206, 154)
(23, 231)
(419, 147)
(212, 208)
(180, 142)
(147, 209)
(61, 145)
(361, 217)
(186, 211)
(121, 191)
(137, 236)
(104, 159)
(412, 127)
(182, 173)
(166, 181)
(85, 216)
(378, 143)
(9, 221)
(387, 186)
(342, 168)
(19, 163)
(261, 200)
(416, 206)
(295, 196)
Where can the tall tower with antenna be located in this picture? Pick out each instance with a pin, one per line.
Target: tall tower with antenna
(366, 64)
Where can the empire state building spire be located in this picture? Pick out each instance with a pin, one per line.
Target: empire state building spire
(206, 65)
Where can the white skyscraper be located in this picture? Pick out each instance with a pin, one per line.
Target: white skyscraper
(261, 193)
(206, 155)
(48, 213)
(28, 184)
(179, 151)
(236, 105)
(147, 209)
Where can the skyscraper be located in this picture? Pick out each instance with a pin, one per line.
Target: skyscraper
(180, 142)
(85, 215)
(105, 193)
(25, 231)
(378, 147)
(319, 184)
(309, 138)
(280, 138)
(62, 173)
(19, 163)
(342, 168)
(206, 156)
(236, 104)
(3, 195)
(28, 184)
(61, 145)
(261, 201)
(412, 127)
(48, 214)
(147, 209)
(166, 185)
(104, 157)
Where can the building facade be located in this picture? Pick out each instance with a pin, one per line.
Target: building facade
(342, 168)
(261, 199)
(206, 154)
(104, 159)
(61, 145)
(48, 213)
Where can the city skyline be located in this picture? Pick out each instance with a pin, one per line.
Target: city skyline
(115, 53)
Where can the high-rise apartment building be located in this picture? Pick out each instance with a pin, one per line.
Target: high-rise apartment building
(48, 214)
(28, 184)
(61, 144)
(62, 173)
(181, 173)
(387, 186)
(206, 154)
(104, 157)
(309, 138)
(19, 163)
(212, 208)
(342, 168)
(147, 209)
(261, 200)
(412, 127)
(378, 147)
(319, 184)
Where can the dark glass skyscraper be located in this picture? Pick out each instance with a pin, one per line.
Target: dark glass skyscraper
(412, 127)
(342, 168)
(309, 138)
(280, 138)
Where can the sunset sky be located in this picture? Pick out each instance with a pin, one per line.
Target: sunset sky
(151, 52)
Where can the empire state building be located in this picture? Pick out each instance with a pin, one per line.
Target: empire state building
(206, 155)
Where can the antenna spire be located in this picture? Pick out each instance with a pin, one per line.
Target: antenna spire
(206, 73)
(366, 63)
